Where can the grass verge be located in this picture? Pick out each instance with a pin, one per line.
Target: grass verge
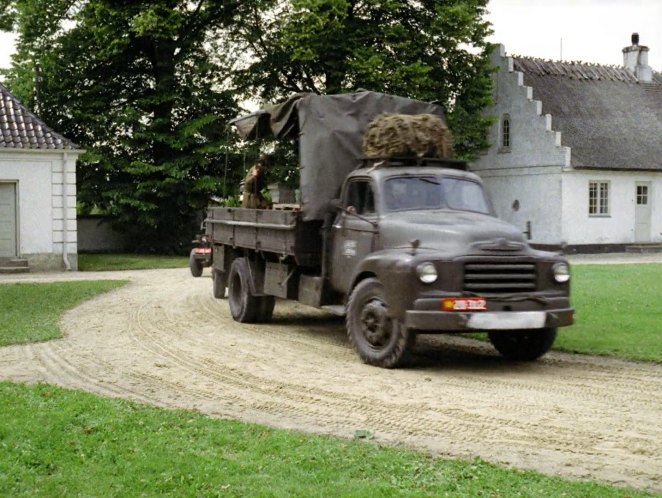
(113, 262)
(31, 312)
(66, 443)
(619, 312)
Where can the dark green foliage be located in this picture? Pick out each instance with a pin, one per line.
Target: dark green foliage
(146, 87)
(142, 86)
(7, 15)
(433, 50)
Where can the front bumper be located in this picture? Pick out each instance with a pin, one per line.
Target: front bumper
(426, 316)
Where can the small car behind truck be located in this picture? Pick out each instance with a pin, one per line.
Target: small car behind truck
(200, 256)
(408, 246)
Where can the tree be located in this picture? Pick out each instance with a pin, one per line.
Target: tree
(7, 15)
(433, 50)
(145, 86)
(142, 86)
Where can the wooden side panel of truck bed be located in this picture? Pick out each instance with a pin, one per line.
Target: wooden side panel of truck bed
(274, 231)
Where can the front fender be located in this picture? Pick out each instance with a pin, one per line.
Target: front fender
(396, 271)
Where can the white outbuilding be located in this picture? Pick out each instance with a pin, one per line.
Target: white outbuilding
(576, 154)
(37, 192)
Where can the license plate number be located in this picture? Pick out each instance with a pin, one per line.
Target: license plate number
(464, 304)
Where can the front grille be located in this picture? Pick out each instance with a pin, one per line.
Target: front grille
(491, 277)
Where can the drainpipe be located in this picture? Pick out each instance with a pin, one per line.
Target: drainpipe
(65, 256)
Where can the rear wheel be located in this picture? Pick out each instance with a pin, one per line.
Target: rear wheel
(220, 282)
(194, 264)
(244, 306)
(523, 345)
(378, 339)
(266, 306)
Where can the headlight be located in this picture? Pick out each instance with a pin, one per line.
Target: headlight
(427, 273)
(561, 272)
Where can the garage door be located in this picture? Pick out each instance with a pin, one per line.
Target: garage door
(7, 220)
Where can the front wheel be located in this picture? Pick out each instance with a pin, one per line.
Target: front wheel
(523, 345)
(377, 338)
(194, 264)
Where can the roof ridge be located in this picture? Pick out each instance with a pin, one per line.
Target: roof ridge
(20, 128)
(573, 69)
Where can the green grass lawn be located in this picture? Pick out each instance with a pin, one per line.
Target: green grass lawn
(108, 262)
(65, 443)
(619, 312)
(31, 312)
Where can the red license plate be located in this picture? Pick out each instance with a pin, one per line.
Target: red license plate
(463, 304)
(202, 250)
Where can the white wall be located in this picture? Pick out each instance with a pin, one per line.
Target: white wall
(536, 171)
(46, 183)
(528, 195)
(533, 141)
(618, 227)
(530, 171)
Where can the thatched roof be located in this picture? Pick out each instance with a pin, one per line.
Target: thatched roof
(608, 118)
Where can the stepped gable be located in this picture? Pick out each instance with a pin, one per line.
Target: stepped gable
(609, 117)
(21, 129)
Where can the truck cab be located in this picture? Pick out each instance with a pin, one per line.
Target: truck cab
(418, 249)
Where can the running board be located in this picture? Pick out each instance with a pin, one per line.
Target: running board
(336, 309)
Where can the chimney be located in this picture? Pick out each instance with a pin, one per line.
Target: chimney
(635, 60)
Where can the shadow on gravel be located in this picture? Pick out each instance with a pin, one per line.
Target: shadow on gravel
(322, 327)
(432, 352)
(446, 352)
(301, 320)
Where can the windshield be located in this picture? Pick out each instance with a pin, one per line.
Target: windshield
(432, 192)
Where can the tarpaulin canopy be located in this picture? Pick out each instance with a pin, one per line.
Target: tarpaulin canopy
(329, 130)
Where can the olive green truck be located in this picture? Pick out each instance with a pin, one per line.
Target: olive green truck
(400, 246)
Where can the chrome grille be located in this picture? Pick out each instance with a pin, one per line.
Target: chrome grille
(491, 277)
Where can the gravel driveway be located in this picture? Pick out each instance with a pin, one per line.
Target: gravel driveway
(164, 340)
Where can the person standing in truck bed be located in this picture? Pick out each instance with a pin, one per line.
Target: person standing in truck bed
(255, 182)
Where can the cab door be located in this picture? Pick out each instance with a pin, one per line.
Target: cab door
(354, 232)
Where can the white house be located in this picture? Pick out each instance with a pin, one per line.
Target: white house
(576, 150)
(37, 192)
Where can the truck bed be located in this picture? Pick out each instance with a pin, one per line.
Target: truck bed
(281, 232)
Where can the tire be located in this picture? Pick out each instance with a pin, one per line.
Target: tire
(244, 306)
(219, 283)
(265, 306)
(195, 265)
(378, 339)
(523, 345)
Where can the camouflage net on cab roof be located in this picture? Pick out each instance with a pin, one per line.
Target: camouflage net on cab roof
(397, 135)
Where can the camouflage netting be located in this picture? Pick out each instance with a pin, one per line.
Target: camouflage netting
(399, 135)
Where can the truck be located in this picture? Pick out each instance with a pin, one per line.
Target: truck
(400, 246)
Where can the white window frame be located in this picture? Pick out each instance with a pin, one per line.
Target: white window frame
(643, 195)
(599, 202)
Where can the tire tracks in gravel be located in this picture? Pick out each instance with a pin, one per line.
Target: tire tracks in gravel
(163, 339)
